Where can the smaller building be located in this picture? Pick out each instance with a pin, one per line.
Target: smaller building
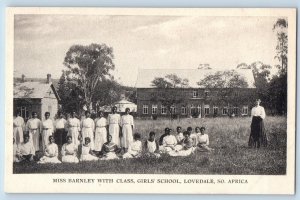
(35, 95)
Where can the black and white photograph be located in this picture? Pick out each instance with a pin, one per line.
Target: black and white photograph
(161, 98)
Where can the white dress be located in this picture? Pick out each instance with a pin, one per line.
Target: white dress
(168, 142)
(73, 125)
(25, 149)
(19, 126)
(15, 157)
(85, 154)
(50, 154)
(87, 130)
(69, 153)
(33, 126)
(134, 149)
(47, 130)
(179, 137)
(151, 148)
(126, 123)
(100, 133)
(193, 136)
(114, 122)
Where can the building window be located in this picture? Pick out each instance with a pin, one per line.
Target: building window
(206, 109)
(206, 93)
(195, 93)
(235, 110)
(163, 110)
(183, 110)
(245, 110)
(145, 109)
(225, 111)
(173, 109)
(24, 112)
(154, 109)
(215, 110)
(199, 109)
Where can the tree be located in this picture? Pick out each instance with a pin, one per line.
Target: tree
(170, 81)
(226, 85)
(169, 95)
(280, 27)
(87, 67)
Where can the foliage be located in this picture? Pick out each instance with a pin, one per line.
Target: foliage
(87, 67)
(170, 81)
(228, 136)
(280, 27)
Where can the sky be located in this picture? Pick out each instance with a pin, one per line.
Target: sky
(142, 42)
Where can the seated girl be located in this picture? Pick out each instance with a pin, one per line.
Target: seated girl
(169, 142)
(109, 150)
(203, 140)
(86, 151)
(69, 151)
(25, 151)
(15, 148)
(151, 146)
(135, 147)
(194, 135)
(187, 146)
(50, 152)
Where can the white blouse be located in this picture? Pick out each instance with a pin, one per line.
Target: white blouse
(88, 123)
(26, 149)
(51, 150)
(127, 119)
(18, 122)
(33, 124)
(258, 111)
(203, 139)
(135, 147)
(74, 122)
(48, 124)
(169, 140)
(114, 119)
(102, 122)
(60, 123)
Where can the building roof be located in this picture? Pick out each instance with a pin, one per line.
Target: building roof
(146, 76)
(33, 90)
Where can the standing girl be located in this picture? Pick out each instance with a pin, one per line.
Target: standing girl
(47, 129)
(33, 126)
(73, 125)
(127, 128)
(88, 128)
(101, 131)
(114, 122)
(19, 126)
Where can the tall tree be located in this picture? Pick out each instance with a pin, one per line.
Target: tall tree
(87, 66)
(280, 27)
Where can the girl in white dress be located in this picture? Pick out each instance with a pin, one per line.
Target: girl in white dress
(179, 136)
(19, 126)
(109, 149)
(47, 129)
(25, 151)
(33, 126)
(193, 136)
(127, 128)
(73, 125)
(15, 148)
(114, 122)
(88, 128)
(69, 151)
(187, 146)
(86, 151)
(134, 148)
(101, 131)
(203, 140)
(50, 152)
(151, 146)
(169, 142)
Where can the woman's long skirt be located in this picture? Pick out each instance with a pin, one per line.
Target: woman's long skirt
(60, 136)
(114, 132)
(126, 136)
(100, 138)
(18, 135)
(257, 136)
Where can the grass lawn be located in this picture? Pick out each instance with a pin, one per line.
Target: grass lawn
(228, 136)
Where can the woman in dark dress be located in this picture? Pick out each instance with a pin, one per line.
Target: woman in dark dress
(258, 136)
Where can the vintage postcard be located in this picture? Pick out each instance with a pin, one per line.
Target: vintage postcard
(150, 100)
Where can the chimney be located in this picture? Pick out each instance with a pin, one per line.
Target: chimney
(23, 78)
(49, 78)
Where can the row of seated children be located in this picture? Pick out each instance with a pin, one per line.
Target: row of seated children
(183, 144)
